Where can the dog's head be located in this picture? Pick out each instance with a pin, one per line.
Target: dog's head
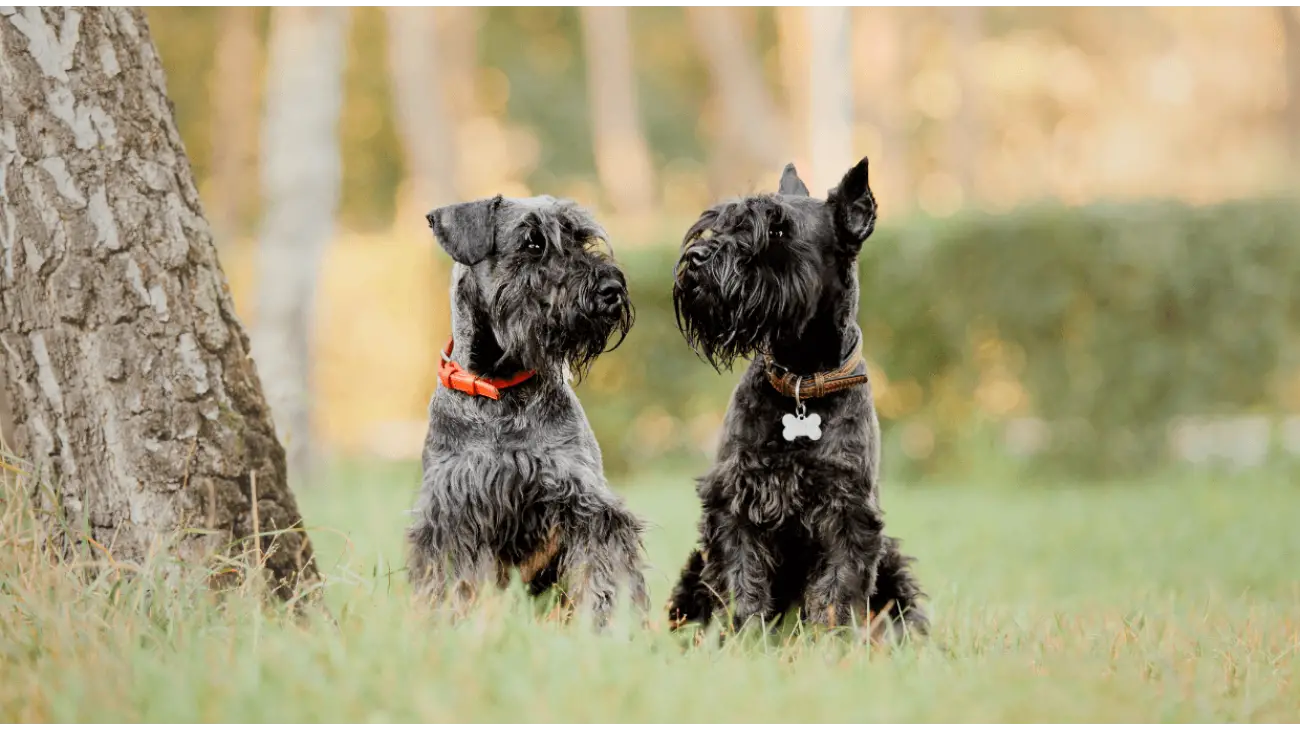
(754, 272)
(538, 276)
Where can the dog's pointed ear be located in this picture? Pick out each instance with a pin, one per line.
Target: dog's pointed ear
(790, 182)
(853, 206)
(466, 231)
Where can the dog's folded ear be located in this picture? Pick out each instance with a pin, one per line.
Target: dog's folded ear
(466, 231)
(790, 182)
(853, 206)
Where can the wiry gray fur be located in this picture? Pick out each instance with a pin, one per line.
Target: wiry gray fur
(518, 482)
(788, 524)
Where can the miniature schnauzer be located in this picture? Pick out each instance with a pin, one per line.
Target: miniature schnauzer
(512, 472)
(790, 507)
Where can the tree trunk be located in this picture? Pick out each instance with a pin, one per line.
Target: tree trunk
(234, 124)
(622, 156)
(753, 129)
(880, 94)
(964, 133)
(6, 411)
(792, 51)
(1291, 117)
(896, 138)
(301, 176)
(424, 124)
(830, 97)
(458, 33)
(133, 393)
(426, 63)
(456, 36)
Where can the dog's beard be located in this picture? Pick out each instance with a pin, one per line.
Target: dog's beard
(727, 310)
(556, 330)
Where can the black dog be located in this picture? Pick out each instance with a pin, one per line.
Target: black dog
(790, 510)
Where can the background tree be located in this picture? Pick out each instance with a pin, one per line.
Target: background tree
(752, 139)
(830, 96)
(133, 393)
(622, 156)
(235, 95)
(964, 129)
(424, 123)
(1290, 22)
(301, 176)
(792, 57)
(880, 77)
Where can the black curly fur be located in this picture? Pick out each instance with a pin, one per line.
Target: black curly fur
(788, 523)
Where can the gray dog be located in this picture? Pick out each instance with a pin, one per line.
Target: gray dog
(512, 472)
(791, 516)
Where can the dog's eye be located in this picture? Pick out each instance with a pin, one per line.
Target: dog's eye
(534, 243)
(776, 228)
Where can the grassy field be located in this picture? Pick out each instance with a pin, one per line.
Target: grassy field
(1176, 600)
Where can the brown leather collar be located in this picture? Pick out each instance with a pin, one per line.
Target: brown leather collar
(851, 374)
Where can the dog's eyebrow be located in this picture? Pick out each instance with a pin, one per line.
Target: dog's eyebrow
(598, 242)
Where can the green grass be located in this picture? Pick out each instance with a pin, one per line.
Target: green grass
(1168, 601)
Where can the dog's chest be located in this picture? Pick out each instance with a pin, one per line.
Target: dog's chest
(769, 480)
(837, 435)
(771, 489)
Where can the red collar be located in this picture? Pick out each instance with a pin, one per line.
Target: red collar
(455, 377)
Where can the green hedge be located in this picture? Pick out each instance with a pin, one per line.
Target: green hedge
(1104, 321)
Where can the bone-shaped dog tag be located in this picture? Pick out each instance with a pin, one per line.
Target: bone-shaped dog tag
(809, 426)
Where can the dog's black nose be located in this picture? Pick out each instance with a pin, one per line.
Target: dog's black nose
(697, 255)
(610, 294)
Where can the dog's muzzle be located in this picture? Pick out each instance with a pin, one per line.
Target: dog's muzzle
(609, 296)
(697, 255)
(698, 252)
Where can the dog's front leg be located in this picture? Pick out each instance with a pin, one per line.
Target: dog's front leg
(852, 544)
(448, 575)
(447, 562)
(747, 571)
(604, 552)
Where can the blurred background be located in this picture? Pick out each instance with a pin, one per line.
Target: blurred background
(1086, 260)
